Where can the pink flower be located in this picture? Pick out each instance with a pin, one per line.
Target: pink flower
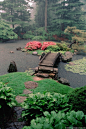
(46, 44)
(33, 45)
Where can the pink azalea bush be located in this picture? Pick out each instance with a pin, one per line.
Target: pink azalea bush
(46, 44)
(33, 45)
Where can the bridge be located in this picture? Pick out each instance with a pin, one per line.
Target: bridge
(48, 65)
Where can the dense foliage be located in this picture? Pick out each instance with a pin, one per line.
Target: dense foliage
(78, 36)
(15, 12)
(60, 14)
(6, 96)
(77, 99)
(7, 102)
(37, 103)
(58, 120)
(6, 32)
(54, 48)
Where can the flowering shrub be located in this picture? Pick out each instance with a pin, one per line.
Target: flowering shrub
(33, 45)
(46, 44)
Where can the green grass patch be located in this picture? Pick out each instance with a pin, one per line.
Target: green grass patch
(16, 81)
(50, 85)
(39, 51)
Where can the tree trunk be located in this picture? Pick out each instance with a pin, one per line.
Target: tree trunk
(46, 15)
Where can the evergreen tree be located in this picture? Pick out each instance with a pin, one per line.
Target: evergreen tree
(67, 13)
(43, 13)
(15, 12)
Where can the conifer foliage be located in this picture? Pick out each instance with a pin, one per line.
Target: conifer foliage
(15, 12)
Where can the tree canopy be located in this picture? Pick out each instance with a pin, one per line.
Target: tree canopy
(15, 12)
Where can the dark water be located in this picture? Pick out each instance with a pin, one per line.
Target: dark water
(23, 60)
(75, 79)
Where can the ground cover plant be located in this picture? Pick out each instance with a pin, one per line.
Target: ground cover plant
(78, 67)
(36, 104)
(16, 82)
(58, 120)
(50, 85)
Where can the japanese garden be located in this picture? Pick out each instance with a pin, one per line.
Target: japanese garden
(42, 64)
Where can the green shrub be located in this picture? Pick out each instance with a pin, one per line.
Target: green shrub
(38, 38)
(6, 94)
(7, 101)
(53, 48)
(37, 103)
(77, 99)
(63, 46)
(28, 35)
(58, 120)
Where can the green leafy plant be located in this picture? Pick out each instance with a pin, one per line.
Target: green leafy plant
(76, 34)
(6, 96)
(77, 99)
(58, 120)
(37, 103)
(63, 46)
(6, 32)
(28, 35)
(53, 48)
(7, 102)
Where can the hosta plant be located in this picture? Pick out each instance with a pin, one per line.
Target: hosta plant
(37, 103)
(6, 96)
(58, 120)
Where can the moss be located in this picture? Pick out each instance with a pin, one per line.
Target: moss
(78, 67)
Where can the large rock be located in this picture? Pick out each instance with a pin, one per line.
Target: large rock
(64, 81)
(67, 57)
(12, 67)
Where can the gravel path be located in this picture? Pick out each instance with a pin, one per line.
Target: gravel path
(75, 79)
(23, 60)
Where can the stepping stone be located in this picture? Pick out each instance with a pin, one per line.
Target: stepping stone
(20, 99)
(37, 78)
(30, 85)
(26, 91)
